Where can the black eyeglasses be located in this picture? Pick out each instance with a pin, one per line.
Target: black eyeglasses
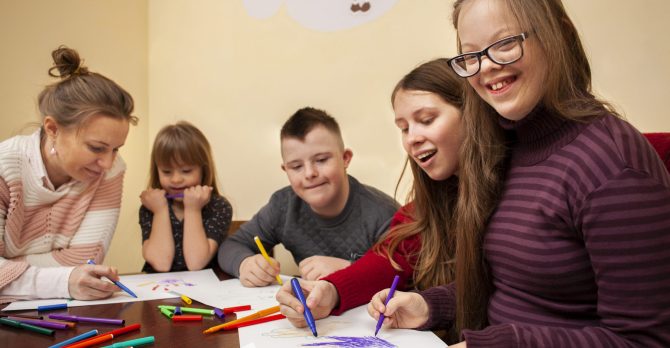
(504, 51)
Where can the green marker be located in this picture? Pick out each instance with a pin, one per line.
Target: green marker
(167, 313)
(20, 325)
(133, 343)
(190, 309)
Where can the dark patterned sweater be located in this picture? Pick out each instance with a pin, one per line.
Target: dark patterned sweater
(216, 217)
(579, 246)
(287, 219)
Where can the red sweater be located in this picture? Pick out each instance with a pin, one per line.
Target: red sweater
(373, 272)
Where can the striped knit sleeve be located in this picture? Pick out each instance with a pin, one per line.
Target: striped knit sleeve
(9, 270)
(94, 234)
(625, 225)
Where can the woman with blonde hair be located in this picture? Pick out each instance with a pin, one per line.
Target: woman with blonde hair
(60, 188)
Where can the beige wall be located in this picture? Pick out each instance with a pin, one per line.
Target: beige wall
(239, 78)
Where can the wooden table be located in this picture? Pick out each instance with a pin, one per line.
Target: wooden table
(167, 333)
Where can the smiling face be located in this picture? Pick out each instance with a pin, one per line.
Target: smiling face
(176, 177)
(316, 170)
(431, 131)
(512, 90)
(86, 153)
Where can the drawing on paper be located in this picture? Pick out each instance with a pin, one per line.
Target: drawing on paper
(352, 342)
(294, 332)
(166, 284)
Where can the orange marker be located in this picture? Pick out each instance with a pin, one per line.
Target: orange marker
(255, 321)
(256, 315)
(93, 341)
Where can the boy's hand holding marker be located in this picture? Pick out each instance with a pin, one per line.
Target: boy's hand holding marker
(259, 269)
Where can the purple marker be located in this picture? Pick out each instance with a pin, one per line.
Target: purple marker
(219, 313)
(388, 298)
(43, 323)
(87, 319)
(176, 195)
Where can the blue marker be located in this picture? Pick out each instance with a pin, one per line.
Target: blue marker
(116, 282)
(52, 307)
(75, 339)
(388, 298)
(297, 290)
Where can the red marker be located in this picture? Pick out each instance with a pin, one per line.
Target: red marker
(230, 310)
(113, 333)
(178, 318)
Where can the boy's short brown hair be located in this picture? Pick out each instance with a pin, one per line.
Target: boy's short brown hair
(306, 119)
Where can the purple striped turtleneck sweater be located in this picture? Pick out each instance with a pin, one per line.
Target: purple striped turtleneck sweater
(579, 246)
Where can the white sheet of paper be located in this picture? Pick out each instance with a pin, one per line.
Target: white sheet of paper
(354, 325)
(152, 286)
(231, 293)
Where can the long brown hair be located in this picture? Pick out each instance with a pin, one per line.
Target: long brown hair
(568, 94)
(81, 94)
(182, 143)
(433, 201)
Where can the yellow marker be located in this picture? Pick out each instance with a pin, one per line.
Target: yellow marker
(186, 299)
(266, 256)
(259, 314)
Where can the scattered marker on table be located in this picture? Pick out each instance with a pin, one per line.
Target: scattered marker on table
(43, 323)
(255, 321)
(177, 310)
(186, 300)
(104, 336)
(20, 325)
(219, 313)
(189, 317)
(76, 318)
(75, 339)
(52, 307)
(166, 312)
(231, 310)
(133, 343)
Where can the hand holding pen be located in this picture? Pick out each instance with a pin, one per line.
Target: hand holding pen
(85, 282)
(408, 310)
(116, 282)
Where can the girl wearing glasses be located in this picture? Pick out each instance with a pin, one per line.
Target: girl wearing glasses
(576, 254)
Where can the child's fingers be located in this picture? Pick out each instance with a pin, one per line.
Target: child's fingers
(290, 305)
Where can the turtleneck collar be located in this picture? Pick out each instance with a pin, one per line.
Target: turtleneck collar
(538, 135)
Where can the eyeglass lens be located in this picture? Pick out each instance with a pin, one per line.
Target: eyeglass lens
(503, 52)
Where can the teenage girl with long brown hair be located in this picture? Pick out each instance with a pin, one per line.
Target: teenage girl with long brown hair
(419, 246)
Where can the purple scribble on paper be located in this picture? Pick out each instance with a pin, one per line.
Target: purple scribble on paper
(353, 342)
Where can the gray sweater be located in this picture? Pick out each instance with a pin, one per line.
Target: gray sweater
(287, 219)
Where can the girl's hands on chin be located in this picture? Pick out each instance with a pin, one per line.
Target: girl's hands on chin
(197, 196)
(154, 199)
(406, 310)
